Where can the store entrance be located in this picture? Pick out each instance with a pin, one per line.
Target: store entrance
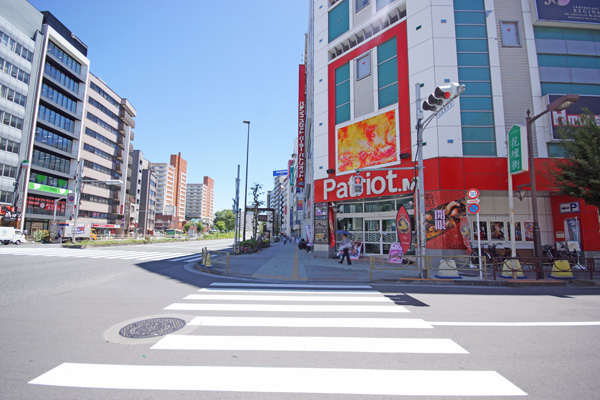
(380, 233)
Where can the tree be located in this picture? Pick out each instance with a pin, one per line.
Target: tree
(220, 225)
(228, 217)
(199, 227)
(187, 226)
(579, 175)
(256, 193)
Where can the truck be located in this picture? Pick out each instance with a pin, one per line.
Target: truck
(84, 231)
(9, 234)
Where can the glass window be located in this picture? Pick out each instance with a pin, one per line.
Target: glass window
(475, 134)
(582, 62)
(552, 60)
(471, 45)
(473, 59)
(388, 72)
(360, 4)
(479, 149)
(386, 51)
(339, 20)
(510, 33)
(477, 118)
(473, 74)
(477, 89)
(388, 96)
(556, 150)
(379, 4)
(380, 206)
(475, 31)
(469, 18)
(350, 224)
(476, 103)
(468, 4)
(363, 66)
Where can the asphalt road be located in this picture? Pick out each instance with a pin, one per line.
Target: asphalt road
(60, 318)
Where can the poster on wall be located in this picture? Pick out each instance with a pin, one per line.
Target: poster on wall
(497, 231)
(321, 229)
(482, 231)
(354, 252)
(583, 11)
(572, 230)
(518, 232)
(528, 231)
(444, 217)
(372, 141)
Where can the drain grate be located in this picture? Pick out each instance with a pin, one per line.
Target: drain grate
(150, 328)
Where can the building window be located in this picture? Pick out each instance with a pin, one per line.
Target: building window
(360, 4)
(342, 93)
(387, 73)
(510, 34)
(379, 4)
(339, 20)
(363, 66)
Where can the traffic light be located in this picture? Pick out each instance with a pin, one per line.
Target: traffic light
(357, 185)
(442, 96)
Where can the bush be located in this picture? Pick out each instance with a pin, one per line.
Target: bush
(41, 236)
(252, 243)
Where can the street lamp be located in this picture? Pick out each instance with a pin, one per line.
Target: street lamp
(115, 182)
(246, 190)
(557, 105)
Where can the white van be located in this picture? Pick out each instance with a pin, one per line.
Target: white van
(9, 234)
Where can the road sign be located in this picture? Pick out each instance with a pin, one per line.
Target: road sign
(473, 208)
(280, 172)
(71, 199)
(569, 207)
(472, 194)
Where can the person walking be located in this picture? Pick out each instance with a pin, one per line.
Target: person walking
(346, 244)
(59, 236)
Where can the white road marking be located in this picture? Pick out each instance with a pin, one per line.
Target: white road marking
(286, 308)
(583, 323)
(290, 285)
(294, 291)
(312, 322)
(250, 297)
(91, 253)
(304, 343)
(281, 380)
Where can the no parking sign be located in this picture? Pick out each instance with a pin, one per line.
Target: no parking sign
(71, 199)
(473, 201)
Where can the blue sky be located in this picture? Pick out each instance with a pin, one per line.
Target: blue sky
(194, 70)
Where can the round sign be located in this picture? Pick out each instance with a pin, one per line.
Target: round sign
(473, 208)
(71, 198)
(472, 194)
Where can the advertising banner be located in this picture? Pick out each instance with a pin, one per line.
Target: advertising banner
(404, 229)
(372, 141)
(301, 165)
(396, 253)
(517, 149)
(582, 11)
(571, 114)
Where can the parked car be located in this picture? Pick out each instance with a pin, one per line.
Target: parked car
(9, 234)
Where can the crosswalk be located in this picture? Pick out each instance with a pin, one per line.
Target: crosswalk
(265, 318)
(100, 253)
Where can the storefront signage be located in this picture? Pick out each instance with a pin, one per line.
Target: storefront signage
(517, 149)
(376, 183)
(280, 172)
(571, 114)
(569, 207)
(45, 188)
(404, 229)
(369, 142)
(583, 11)
(301, 165)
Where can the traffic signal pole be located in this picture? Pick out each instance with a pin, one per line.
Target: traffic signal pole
(420, 183)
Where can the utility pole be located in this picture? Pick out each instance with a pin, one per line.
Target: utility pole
(236, 209)
(420, 183)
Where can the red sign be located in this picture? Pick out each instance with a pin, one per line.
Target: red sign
(376, 183)
(301, 165)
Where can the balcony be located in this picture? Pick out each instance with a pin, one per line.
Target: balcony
(121, 141)
(126, 118)
(119, 154)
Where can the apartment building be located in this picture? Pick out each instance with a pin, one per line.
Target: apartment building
(199, 201)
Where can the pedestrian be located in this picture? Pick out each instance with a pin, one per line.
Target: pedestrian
(346, 244)
(284, 240)
(59, 237)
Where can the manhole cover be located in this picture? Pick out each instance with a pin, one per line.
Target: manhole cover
(150, 328)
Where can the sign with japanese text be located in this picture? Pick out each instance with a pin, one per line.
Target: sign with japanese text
(301, 164)
(517, 150)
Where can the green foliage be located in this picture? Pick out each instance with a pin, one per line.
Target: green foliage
(186, 227)
(579, 175)
(220, 225)
(256, 193)
(252, 243)
(199, 227)
(228, 217)
(41, 236)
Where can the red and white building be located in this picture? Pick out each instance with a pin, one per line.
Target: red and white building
(365, 62)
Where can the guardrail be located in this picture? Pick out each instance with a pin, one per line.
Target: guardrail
(449, 267)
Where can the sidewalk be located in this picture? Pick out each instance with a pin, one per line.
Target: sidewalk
(286, 263)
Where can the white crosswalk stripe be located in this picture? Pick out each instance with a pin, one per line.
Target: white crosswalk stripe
(93, 253)
(270, 332)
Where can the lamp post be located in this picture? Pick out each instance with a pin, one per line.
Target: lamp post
(557, 105)
(246, 189)
(80, 183)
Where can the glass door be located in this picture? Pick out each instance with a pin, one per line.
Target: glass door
(372, 236)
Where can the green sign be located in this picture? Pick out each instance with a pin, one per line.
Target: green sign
(517, 150)
(50, 189)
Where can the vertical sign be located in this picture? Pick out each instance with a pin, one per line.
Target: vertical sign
(517, 150)
(300, 172)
